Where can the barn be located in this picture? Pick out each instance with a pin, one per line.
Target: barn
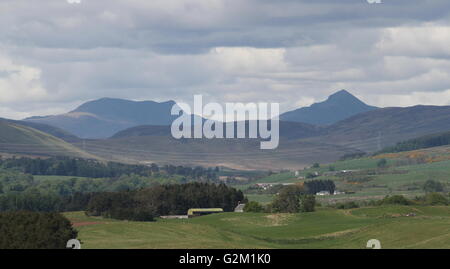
(196, 212)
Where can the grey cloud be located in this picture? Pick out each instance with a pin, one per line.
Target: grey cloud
(164, 50)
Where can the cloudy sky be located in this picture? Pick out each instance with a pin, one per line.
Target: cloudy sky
(55, 55)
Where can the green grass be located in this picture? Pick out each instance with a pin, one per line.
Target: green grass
(326, 228)
(396, 179)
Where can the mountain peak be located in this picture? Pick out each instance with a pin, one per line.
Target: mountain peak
(338, 106)
(104, 117)
(343, 97)
(341, 93)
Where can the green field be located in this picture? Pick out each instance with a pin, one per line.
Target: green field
(326, 228)
(405, 174)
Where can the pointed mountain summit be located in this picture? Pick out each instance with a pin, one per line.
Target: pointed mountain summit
(339, 106)
(104, 117)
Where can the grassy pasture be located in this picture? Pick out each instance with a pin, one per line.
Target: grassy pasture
(326, 228)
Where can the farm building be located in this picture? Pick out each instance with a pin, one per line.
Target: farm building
(323, 193)
(239, 208)
(175, 217)
(195, 212)
(266, 186)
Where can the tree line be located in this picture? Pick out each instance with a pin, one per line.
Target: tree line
(39, 202)
(66, 166)
(12, 181)
(315, 186)
(434, 140)
(140, 205)
(173, 199)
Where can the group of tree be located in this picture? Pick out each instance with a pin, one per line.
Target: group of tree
(141, 204)
(172, 199)
(33, 230)
(291, 199)
(382, 163)
(39, 202)
(12, 181)
(76, 167)
(431, 199)
(351, 156)
(315, 186)
(433, 186)
(428, 141)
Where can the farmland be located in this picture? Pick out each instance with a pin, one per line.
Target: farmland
(404, 174)
(414, 226)
(325, 228)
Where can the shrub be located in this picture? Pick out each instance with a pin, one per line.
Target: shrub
(253, 206)
(395, 200)
(433, 186)
(382, 163)
(347, 205)
(436, 199)
(307, 203)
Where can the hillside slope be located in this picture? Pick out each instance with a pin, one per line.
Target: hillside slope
(372, 131)
(48, 129)
(300, 144)
(19, 139)
(233, 153)
(288, 130)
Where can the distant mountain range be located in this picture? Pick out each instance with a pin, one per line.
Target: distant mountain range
(339, 106)
(104, 117)
(127, 135)
(300, 143)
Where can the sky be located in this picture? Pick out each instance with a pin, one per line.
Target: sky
(57, 54)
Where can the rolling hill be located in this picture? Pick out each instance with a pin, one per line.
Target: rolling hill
(300, 144)
(338, 106)
(374, 130)
(23, 140)
(288, 130)
(51, 130)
